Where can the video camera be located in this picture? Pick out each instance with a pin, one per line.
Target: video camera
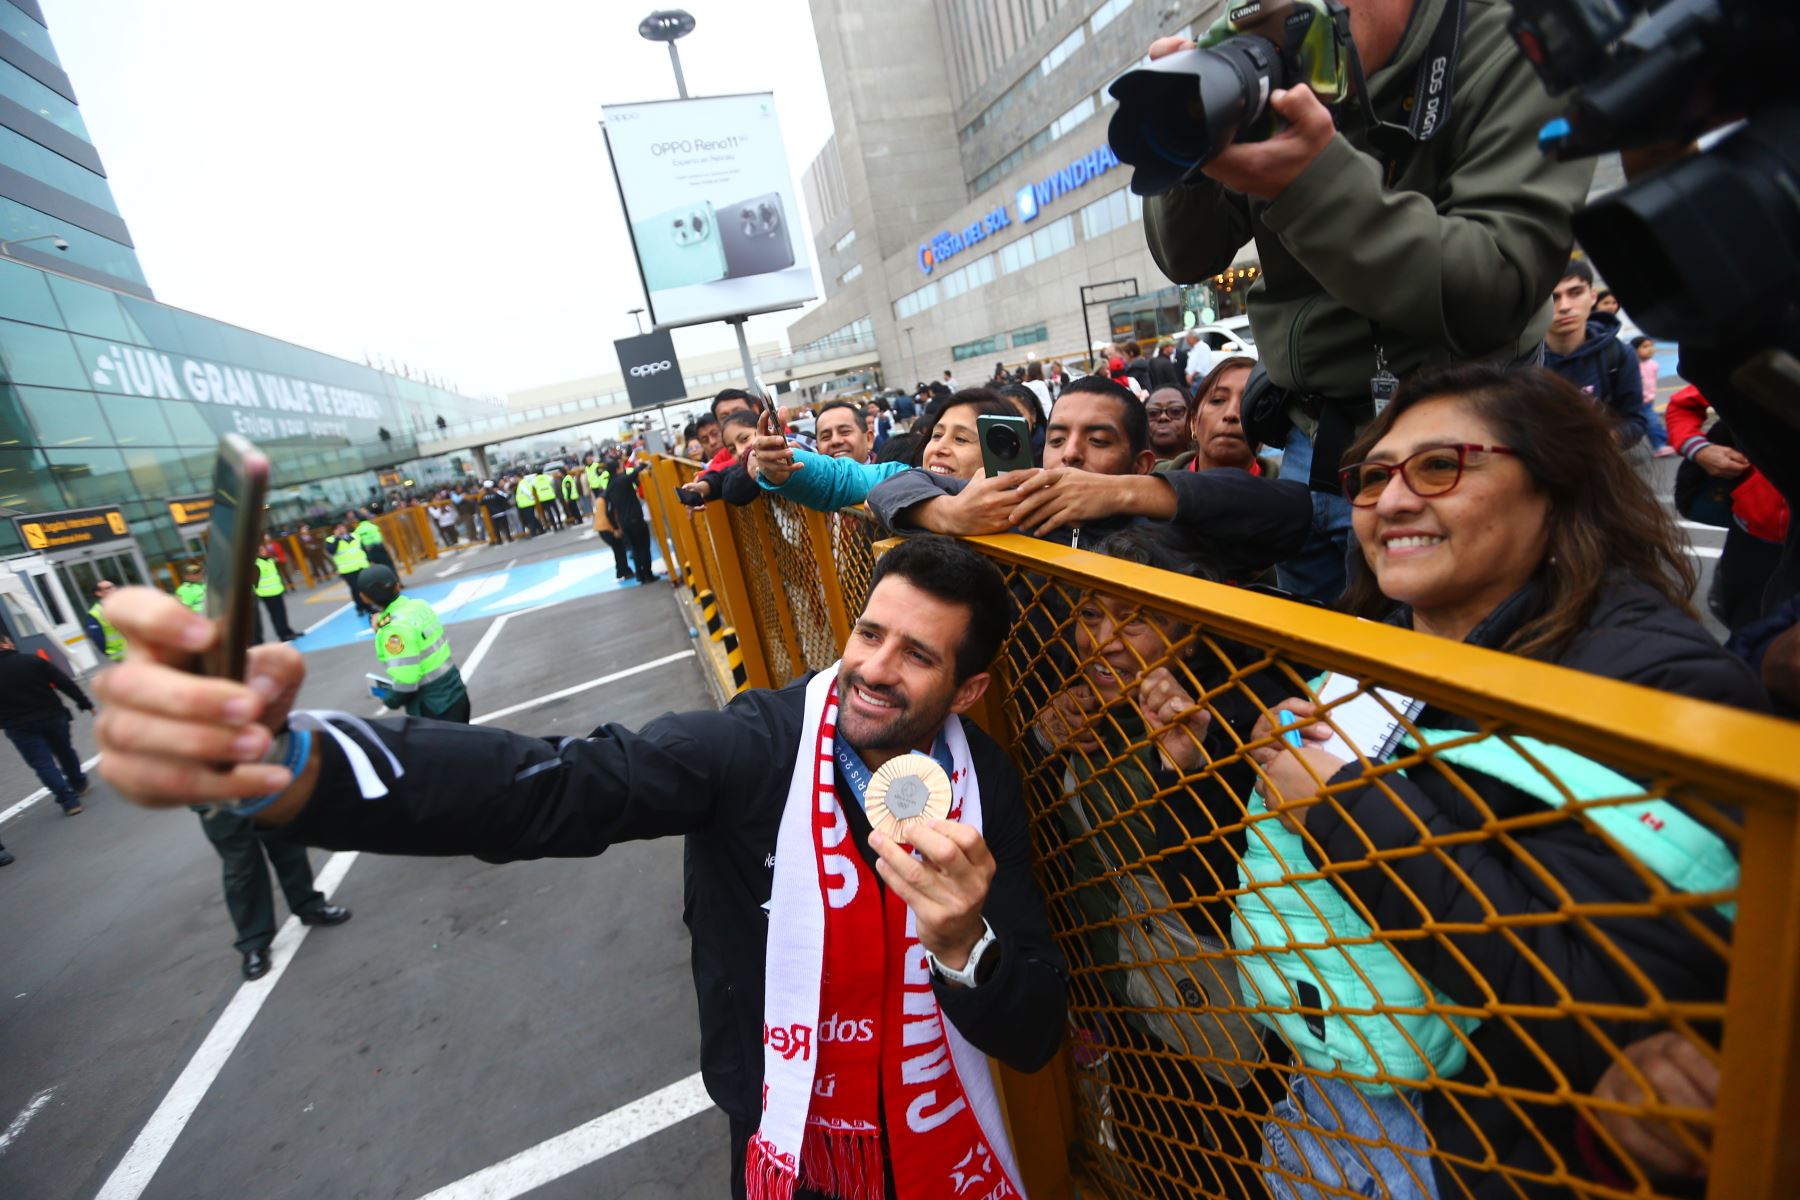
(1707, 249)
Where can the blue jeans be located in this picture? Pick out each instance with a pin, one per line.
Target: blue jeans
(1311, 1152)
(1317, 572)
(44, 744)
(1659, 432)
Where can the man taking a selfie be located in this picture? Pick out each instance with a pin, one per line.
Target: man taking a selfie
(850, 983)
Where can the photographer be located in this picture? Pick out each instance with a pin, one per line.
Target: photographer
(1414, 253)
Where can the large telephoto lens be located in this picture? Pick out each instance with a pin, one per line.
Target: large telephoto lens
(1178, 113)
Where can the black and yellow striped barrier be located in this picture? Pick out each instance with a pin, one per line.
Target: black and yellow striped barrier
(734, 658)
(709, 612)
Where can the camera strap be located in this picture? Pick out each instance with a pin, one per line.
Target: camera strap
(1428, 106)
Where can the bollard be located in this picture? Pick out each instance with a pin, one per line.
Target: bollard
(687, 573)
(734, 658)
(709, 612)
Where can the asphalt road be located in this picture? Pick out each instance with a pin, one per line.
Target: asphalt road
(466, 1014)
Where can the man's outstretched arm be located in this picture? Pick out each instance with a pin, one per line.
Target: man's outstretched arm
(170, 738)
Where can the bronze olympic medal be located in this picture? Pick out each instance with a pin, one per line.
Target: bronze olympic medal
(908, 788)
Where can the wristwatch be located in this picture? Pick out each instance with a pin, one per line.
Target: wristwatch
(971, 974)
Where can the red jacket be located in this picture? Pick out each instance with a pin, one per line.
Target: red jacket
(1755, 503)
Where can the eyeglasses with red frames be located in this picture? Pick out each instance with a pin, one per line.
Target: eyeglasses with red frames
(1430, 472)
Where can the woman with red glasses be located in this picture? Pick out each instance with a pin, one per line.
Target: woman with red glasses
(1492, 506)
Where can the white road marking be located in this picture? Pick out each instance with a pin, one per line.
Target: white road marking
(449, 570)
(481, 647)
(471, 590)
(569, 1152)
(664, 661)
(569, 573)
(333, 613)
(139, 1166)
(24, 1118)
(32, 799)
(1687, 524)
(1706, 551)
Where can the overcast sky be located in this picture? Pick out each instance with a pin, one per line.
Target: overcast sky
(424, 179)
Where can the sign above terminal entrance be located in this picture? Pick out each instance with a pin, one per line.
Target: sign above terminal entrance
(1030, 200)
(261, 405)
(72, 528)
(191, 510)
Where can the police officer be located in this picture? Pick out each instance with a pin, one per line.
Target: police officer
(348, 555)
(526, 495)
(100, 631)
(269, 589)
(369, 534)
(192, 591)
(414, 651)
(571, 497)
(545, 487)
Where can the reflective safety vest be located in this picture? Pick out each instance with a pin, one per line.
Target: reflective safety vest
(411, 643)
(546, 487)
(192, 594)
(347, 554)
(115, 641)
(571, 487)
(268, 578)
(368, 533)
(527, 494)
(596, 477)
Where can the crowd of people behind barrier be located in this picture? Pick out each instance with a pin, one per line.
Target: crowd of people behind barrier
(1434, 957)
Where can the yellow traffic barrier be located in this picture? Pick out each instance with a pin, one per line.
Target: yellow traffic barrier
(734, 658)
(709, 612)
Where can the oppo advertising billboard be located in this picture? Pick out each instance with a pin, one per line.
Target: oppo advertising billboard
(710, 204)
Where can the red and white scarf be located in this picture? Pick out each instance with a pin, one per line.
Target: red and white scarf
(853, 1040)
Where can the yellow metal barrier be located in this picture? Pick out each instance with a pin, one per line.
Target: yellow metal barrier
(1459, 969)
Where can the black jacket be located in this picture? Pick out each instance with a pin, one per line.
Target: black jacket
(1248, 524)
(28, 687)
(623, 507)
(1164, 372)
(1635, 636)
(720, 779)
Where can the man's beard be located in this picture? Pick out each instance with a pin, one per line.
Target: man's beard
(905, 728)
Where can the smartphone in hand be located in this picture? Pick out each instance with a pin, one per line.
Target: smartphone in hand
(240, 488)
(1005, 444)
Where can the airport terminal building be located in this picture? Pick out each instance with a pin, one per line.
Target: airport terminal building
(111, 404)
(967, 195)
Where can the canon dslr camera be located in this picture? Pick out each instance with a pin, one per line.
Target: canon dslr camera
(1178, 113)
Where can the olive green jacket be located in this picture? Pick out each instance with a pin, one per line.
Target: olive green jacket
(1456, 261)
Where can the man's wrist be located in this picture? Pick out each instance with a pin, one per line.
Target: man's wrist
(1149, 496)
(294, 797)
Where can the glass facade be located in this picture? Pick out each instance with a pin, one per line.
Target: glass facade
(59, 190)
(109, 398)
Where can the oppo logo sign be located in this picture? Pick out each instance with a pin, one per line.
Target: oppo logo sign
(645, 370)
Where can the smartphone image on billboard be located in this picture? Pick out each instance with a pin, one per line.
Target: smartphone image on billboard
(680, 247)
(756, 236)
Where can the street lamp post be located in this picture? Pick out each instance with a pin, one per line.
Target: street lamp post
(669, 25)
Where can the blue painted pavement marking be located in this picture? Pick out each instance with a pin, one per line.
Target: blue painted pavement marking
(489, 595)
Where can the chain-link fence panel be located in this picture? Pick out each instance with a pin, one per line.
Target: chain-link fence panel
(1412, 946)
